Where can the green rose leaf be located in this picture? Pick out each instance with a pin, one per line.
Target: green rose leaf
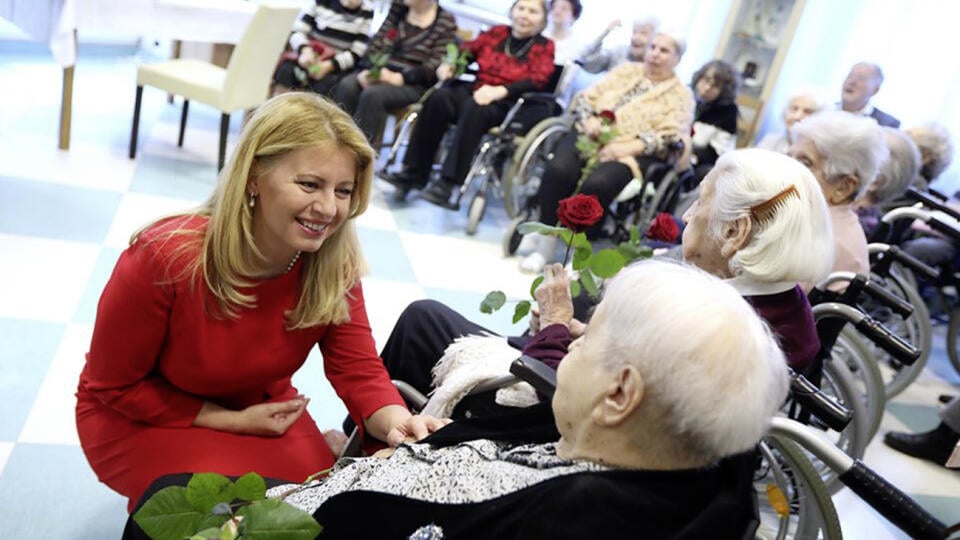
(533, 286)
(251, 487)
(521, 311)
(493, 301)
(580, 241)
(581, 257)
(213, 533)
(528, 227)
(635, 235)
(589, 284)
(212, 520)
(606, 263)
(204, 490)
(574, 289)
(274, 519)
(168, 515)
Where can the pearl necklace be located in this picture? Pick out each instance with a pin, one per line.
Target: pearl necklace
(293, 261)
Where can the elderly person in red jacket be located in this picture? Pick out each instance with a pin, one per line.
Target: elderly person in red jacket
(513, 59)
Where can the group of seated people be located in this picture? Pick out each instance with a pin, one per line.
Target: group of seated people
(661, 395)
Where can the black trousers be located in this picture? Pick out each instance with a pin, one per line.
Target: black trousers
(285, 76)
(371, 105)
(451, 104)
(562, 173)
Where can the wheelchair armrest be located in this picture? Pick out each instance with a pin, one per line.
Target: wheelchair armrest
(538, 96)
(539, 375)
(415, 400)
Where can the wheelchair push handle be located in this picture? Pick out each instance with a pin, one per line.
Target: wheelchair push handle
(905, 259)
(899, 348)
(541, 376)
(933, 202)
(892, 503)
(944, 227)
(887, 298)
(814, 401)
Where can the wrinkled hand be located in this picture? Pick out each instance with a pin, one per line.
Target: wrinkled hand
(388, 76)
(553, 297)
(613, 151)
(444, 71)
(486, 95)
(270, 419)
(576, 327)
(364, 80)
(307, 57)
(414, 428)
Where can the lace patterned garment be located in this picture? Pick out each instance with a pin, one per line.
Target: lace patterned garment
(472, 471)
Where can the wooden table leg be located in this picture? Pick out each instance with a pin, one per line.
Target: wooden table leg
(66, 106)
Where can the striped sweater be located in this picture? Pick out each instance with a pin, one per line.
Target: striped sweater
(414, 52)
(345, 30)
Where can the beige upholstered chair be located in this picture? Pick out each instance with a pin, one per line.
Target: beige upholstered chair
(244, 84)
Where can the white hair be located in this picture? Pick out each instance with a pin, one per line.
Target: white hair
(651, 21)
(935, 146)
(847, 143)
(679, 43)
(707, 359)
(900, 169)
(795, 242)
(817, 95)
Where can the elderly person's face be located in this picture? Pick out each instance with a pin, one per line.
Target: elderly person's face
(860, 85)
(640, 40)
(527, 18)
(561, 13)
(580, 378)
(661, 57)
(700, 246)
(835, 190)
(799, 108)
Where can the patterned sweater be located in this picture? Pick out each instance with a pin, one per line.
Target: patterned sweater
(660, 111)
(521, 65)
(414, 52)
(346, 30)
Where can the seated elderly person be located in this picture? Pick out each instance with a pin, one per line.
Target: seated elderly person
(761, 222)
(936, 150)
(648, 437)
(896, 174)
(800, 105)
(651, 107)
(844, 153)
(512, 60)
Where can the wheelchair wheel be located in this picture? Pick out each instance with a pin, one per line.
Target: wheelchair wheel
(838, 383)
(521, 180)
(793, 502)
(916, 329)
(852, 351)
(401, 133)
(478, 204)
(952, 339)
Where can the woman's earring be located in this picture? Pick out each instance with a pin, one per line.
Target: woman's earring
(253, 200)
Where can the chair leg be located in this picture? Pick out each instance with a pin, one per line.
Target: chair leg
(224, 127)
(136, 122)
(183, 121)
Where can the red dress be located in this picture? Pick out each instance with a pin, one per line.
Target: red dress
(157, 354)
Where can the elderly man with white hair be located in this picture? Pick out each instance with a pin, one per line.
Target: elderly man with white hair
(761, 222)
(844, 152)
(861, 84)
(657, 409)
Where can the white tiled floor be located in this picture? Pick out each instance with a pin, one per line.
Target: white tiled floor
(67, 215)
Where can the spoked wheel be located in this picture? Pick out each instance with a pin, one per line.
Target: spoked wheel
(521, 180)
(953, 339)
(916, 329)
(478, 204)
(850, 349)
(793, 502)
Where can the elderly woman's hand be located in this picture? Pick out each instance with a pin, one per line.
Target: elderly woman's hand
(307, 57)
(592, 125)
(553, 297)
(486, 95)
(576, 327)
(616, 150)
(444, 71)
(393, 78)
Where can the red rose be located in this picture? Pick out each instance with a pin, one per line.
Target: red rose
(608, 115)
(579, 212)
(664, 228)
(391, 34)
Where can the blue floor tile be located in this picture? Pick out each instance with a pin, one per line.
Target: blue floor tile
(169, 177)
(917, 418)
(26, 350)
(49, 491)
(87, 308)
(385, 255)
(56, 211)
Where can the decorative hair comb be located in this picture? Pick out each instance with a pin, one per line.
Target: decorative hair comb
(766, 210)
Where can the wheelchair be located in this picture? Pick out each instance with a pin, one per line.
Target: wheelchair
(662, 188)
(494, 165)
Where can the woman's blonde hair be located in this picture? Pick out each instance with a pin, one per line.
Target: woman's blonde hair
(228, 253)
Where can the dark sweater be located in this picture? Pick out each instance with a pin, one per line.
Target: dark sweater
(790, 316)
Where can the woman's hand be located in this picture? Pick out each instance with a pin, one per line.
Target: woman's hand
(591, 127)
(553, 297)
(414, 428)
(364, 80)
(393, 78)
(486, 95)
(307, 57)
(321, 70)
(444, 71)
(263, 419)
(576, 327)
(616, 150)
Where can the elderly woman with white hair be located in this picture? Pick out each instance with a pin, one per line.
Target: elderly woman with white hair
(936, 149)
(761, 222)
(844, 152)
(896, 174)
(800, 105)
